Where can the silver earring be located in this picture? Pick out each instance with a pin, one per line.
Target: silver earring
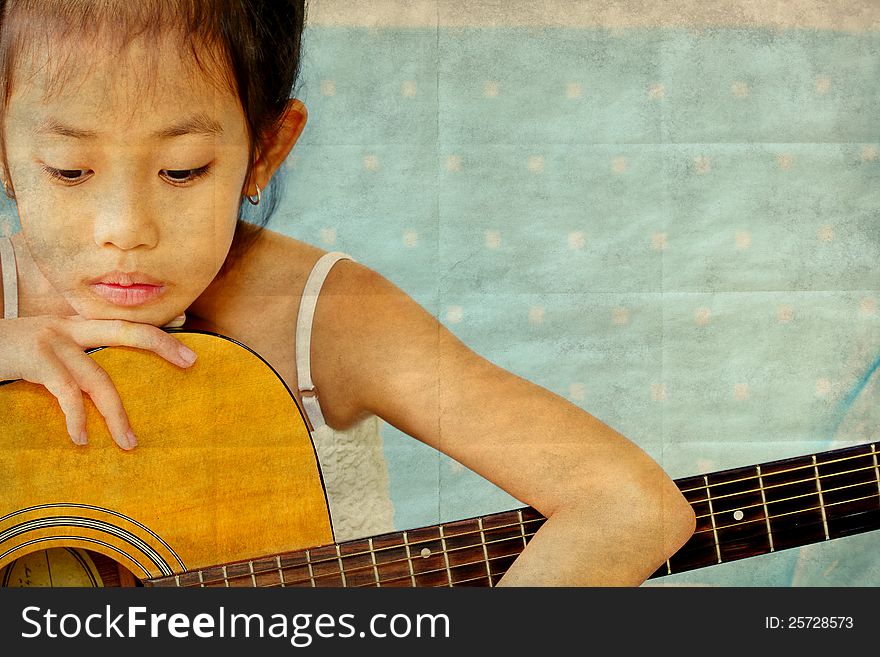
(251, 198)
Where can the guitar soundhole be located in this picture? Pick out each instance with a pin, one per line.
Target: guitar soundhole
(65, 566)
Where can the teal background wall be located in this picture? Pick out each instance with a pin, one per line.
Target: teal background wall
(676, 229)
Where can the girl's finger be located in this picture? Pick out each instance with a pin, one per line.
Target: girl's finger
(98, 385)
(117, 332)
(49, 371)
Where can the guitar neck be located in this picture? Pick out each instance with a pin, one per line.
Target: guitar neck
(745, 512)
(741, 512)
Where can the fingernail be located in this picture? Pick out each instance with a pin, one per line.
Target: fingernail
(132, 441)
(187, 355)
(83, 437)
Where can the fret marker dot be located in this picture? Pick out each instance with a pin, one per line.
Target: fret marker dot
(425, 553)
(738, 515)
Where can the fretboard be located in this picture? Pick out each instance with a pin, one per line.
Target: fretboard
(741, 512)
(745, 512)
(473, 552)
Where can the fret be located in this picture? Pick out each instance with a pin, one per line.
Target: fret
(412, 575)
(341, 569)
(712, 518)
(465, 552)
(177, 579)
(849, 490)
(485, 552)
(357, 563)
(280, 572)
(876, 466)
(325, 565)
(213, 576)
(764, 505)
(190, 578)
(792, 502)
(699, 551)
(503, 542)
(821, 500)
(668, 567)
(446, 556)
(296, 570)
(428, 562)
(522, 527)
(391, 560)
(266, 572)
(311, 570)
(738, 513)
(237, 575)
(373, 560)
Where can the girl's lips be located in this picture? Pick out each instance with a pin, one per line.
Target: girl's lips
(127, 295)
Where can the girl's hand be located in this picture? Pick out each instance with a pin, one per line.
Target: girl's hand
(49, 351)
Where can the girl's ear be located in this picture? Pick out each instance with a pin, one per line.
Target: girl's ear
(273, 151)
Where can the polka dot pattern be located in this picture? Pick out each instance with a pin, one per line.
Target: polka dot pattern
(669, 232)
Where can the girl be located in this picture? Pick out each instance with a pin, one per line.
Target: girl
(133, 133)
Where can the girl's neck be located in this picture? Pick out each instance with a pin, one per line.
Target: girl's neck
(36, 296)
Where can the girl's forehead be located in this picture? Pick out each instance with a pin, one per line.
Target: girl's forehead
(107, 72)
(138, 91)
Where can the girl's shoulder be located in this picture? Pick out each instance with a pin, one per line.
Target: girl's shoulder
(257, 302)
(272, 273)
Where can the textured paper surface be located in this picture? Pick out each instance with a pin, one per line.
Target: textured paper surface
(665, 212)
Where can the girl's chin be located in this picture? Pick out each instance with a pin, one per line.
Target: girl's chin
(91, 306)
(155, 316)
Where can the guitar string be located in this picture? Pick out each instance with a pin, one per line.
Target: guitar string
(715, 514)
(416, 544)
(683, 490)
(512, 538)
(287, 569)
(808, 466)
(517, 538)
(870, 482)
(789, 513)
(480, 562)
(478, 545)
(408, 577)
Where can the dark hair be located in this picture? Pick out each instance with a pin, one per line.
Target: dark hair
(252, 46)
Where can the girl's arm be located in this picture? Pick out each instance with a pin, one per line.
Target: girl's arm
(613, 515)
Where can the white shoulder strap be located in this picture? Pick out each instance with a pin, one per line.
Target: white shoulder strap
(304, 320)
(10, 279)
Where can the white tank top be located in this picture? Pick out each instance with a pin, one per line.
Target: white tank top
(352, 462)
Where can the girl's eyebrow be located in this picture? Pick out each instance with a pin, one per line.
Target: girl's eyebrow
(196, 124)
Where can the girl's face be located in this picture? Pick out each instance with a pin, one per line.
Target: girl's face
(126, 167)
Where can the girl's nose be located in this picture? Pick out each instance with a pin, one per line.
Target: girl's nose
(125, 219)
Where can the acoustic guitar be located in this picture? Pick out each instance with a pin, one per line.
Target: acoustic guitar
(225, 489)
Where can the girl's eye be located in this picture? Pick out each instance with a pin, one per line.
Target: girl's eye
(175, 176)
(183, 176)
(67, 176)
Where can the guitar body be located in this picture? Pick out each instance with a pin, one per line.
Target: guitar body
(225, 470)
